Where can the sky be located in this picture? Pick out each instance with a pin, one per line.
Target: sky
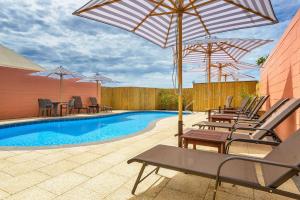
(46, 32)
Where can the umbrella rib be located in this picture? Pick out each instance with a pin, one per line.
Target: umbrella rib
(188, 6)
(173, 3)
(147, 16)
(250, 10)
(226, 52)
(235, 46)
(95, 6)
(161, 3)
(199, 17)
(168, 32)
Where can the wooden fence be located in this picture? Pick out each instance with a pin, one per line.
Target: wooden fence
(137, 98)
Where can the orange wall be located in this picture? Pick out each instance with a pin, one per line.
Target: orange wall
(19, 92)
(280, 76)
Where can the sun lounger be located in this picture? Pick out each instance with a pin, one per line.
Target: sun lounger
(244, 122)
(265, 134)
(226, 106)
(250, 115)
(94, 105)
(281, 164)
(242, 107)
(243, 110)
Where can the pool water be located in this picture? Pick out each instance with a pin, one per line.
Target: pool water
(79, 131)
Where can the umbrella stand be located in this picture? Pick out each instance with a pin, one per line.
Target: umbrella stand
(179, 71)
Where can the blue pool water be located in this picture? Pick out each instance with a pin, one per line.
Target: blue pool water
(80, 130)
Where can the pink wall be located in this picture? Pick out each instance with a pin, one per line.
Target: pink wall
(20, 91)
(280, 76)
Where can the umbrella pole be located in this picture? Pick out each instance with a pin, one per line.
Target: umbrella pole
(179, 71)
(97, 92)
(220, 77)
(209, 77)
(60, 88)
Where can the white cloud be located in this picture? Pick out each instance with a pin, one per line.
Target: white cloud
(47, 32)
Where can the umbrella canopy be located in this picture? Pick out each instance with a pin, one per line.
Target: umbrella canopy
(97, 78)
(220, 49)
(58, 73)
(226, 70)
(232, 69)
(213, 49)
(156, 20)
(171, 22)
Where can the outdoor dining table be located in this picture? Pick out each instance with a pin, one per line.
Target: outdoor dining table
(55, 107)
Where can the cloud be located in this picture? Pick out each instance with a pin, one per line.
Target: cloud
(47, 32)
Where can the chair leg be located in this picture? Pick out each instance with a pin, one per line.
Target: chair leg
(138, 178)
(216, 188)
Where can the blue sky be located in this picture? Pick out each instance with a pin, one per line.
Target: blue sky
(46, 32)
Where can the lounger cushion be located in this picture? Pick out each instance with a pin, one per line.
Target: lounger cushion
(199, 163)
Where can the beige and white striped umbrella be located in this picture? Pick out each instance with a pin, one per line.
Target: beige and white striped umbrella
(213, 49)
(171, 22)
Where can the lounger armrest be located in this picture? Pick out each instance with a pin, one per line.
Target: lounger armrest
(270, 132)
(257, 160)
(250, 159)
(271, 143)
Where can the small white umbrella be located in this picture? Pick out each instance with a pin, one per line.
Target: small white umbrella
(60, 73)
(97, 78)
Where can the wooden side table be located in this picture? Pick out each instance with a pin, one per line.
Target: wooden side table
(206, 138)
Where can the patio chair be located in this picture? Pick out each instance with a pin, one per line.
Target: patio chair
(277, 167)
(265, 134)
(45, 107)
(69, 106)
(252, 114)
(94, 106)
(78, 104)
(244, 122)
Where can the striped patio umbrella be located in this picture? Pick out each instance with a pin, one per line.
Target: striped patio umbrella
(98, 79)
(226, 70)
(172, 22)
(212, 50)
(60, 73)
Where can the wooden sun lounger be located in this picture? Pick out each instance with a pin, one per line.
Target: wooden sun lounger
(281, 164)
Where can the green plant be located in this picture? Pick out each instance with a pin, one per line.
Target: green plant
(261, 60)
(168, 100)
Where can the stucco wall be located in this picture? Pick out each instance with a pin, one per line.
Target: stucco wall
(19, 92)
(280, 76)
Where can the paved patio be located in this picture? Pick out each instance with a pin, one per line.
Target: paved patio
(101, 172)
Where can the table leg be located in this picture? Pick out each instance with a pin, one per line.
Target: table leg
(55, 107)
(194, 146)
(60, 111)
(185, 143)
(220, 149)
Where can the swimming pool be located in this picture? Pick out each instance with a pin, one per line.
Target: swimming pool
(78, 131)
